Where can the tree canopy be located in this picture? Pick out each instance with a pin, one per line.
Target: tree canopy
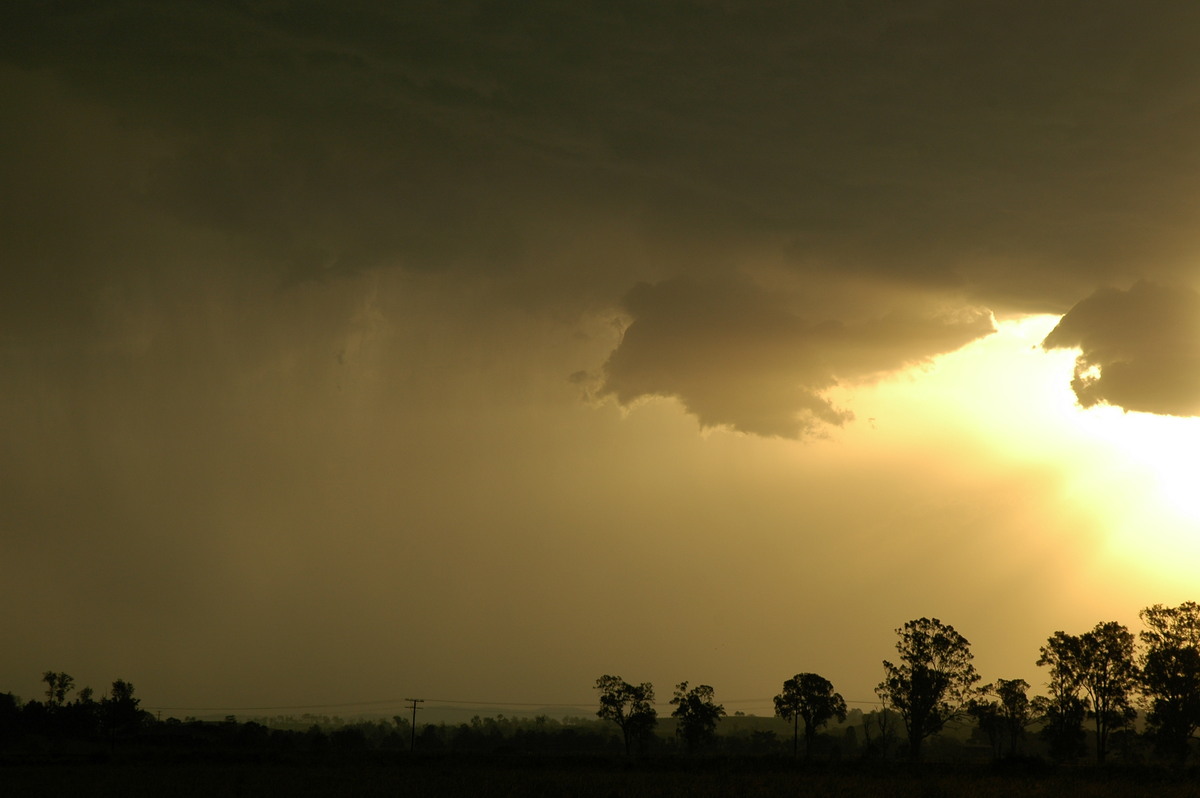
(1099, 667)
(57, 687)
(629, 706)
(1003, 711)
(811, 698)
(1170, 674)
(698, 714)
(933, 681)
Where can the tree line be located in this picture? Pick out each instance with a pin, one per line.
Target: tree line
(1102, 675)
(1105, 684)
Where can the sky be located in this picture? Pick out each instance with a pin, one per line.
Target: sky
(470, 351)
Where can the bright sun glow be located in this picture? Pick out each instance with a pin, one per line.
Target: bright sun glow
(1141, 471)
(1137, 475)
(1159, 458)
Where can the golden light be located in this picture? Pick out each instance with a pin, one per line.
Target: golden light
(1134, 476)
(1157, 460)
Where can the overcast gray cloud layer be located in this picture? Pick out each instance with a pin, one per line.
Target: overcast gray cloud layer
(1014, 157)
(934, 139)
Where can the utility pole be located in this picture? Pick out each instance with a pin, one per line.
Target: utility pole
(412, 740)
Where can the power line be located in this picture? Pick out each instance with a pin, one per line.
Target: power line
(507, 703)
(379, 702)
(460, 701)
(287, 706)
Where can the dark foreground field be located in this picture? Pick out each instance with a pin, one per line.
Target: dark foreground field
(603, 779)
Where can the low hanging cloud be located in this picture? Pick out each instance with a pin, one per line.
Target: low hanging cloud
(737, 356)
(1139, 349)
(311, 143)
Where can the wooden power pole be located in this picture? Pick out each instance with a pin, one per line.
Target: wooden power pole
(412, 739)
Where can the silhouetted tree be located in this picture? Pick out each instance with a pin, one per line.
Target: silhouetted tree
(1065, 708)
(10, 719)
(697, 713)
(986, 712)
(1015, 709)
(1099, 664)
(57, 687)
(809, 697)
(120, 712)
(1170, 675)
(81, 717)
(933, 681)
(883, 721)
(629, 706)
(1002, 711)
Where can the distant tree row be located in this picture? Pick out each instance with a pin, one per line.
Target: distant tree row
(114, 717)
(1101, 675)
(806, 696)
(1098, 683)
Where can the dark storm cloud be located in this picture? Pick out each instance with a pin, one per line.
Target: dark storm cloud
(1011, 156)
(1139, 349)
(736, 356)
(935, 143)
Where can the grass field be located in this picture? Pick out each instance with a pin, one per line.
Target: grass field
(608, 779)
